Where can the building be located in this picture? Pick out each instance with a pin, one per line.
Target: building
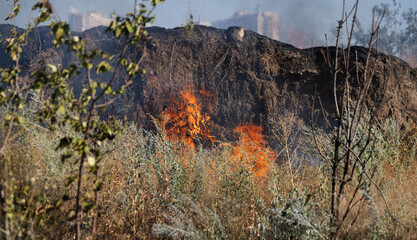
(265, 23)
(82, 21)
(204, 23)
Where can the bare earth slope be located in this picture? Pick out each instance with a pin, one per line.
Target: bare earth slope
(253, 80)
(257, 79)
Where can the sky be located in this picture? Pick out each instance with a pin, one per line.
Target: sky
(314, 17)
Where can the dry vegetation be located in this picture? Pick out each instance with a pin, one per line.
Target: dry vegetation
(180, 182)
(156, 187)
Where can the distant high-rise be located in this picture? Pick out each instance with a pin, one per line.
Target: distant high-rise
(82, 21)
(265, 23)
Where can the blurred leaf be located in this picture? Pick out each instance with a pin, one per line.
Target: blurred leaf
(61, 109)
(53, 68)
(65, 142)
(59, 33)
(91, 161)
(129, 26)
(66, 156)
(20, 120)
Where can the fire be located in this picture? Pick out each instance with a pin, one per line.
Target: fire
(297, 38)
(411, 58)
(252, 148)
(184, 121)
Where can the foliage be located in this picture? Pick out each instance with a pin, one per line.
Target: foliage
(295, 220)
(352, 161)
(397, 35)
(183, 217)
(61, 107)
(152, 186)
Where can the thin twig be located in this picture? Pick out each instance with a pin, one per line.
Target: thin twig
(6, 138)
(313, 129)
(377, 187)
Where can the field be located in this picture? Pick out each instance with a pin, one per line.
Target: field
(155, 184)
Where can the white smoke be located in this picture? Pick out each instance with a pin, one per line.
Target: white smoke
(72, 10)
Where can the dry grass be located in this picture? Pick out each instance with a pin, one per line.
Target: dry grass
(153, 186)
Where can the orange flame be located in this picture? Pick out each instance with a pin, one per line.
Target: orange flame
(252, 148)
(298, 39)
(185, 122)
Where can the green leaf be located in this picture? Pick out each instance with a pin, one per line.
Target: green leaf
(155, 2)
(52, 67)
(118, 32)
(86, 149)
(129, 26)
(89, 66)
(20, 120)
(59, 33)
(108, 91)
(61, 109)
(8, 117)
(97, 185)
(104, 67)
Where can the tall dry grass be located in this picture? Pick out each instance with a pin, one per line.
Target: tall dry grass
(157, 188)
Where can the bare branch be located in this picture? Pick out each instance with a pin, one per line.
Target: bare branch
(313, 130)
(377, 187)
(6, 138)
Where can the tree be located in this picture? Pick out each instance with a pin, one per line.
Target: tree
(61, 107)
(397, 34)
(349, 159)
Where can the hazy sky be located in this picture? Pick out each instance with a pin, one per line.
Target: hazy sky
(315, 17)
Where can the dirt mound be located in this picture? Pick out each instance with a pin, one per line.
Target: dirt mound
(251, 79)
(256, 80)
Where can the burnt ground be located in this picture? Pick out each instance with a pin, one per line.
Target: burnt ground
(254, 80)
(259, 80)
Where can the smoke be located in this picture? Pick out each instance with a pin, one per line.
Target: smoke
(72, 10)
(313, 18)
